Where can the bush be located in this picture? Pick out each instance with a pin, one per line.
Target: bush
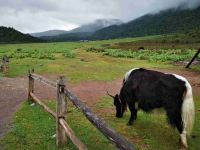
(96, 50)
(69, 54)
(20, 53)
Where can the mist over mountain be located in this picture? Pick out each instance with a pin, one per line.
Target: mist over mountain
(96, 25)
(48, 33)
(176, 20)
(192, 4)
(180, 19)
(87, 28)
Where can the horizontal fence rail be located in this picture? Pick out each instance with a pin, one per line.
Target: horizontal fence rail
(44, 80)
(34, 98)
(100, 124)
(195, 56)
(64, 124)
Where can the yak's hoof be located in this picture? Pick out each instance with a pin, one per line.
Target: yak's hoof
(183, 146)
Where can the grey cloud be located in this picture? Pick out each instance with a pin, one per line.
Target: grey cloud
(135, 8)
(39, 15)
(19, 5)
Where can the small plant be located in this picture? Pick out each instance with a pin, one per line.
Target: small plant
(69, 54)
(22, 53)
(96, 50)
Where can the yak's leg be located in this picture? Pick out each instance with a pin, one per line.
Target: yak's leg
(133, 114)
(136, 107)
(176, 120)
(183, 140)
(182, 131)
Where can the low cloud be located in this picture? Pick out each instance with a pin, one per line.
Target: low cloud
(39, 15)
(136, 8)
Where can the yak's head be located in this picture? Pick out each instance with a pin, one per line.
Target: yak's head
(120, 107)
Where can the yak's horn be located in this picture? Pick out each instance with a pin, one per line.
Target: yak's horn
(110, 95)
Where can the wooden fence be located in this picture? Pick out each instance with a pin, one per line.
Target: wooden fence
(62, 128)
(195, 56)
(4, 64)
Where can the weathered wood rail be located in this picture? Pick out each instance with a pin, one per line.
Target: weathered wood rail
(63, 129)
(196, 54)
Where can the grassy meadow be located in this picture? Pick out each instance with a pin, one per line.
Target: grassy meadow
(94, 61)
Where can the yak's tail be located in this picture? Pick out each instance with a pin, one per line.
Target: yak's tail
(188, 111)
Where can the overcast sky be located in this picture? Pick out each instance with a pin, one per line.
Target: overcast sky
(40, 15)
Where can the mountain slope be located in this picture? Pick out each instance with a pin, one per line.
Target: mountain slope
(96, 25)
(48, 33)
(83, 32)
(68, 37)
(10, 35)
(169, 21)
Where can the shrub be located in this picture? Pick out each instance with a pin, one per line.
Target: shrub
(69, 54)
(153, 55)
(19, 54)
(96, 50)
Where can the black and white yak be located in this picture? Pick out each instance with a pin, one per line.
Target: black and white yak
(147, 89)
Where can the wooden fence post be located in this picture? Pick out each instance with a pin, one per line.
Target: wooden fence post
(30, 85)
(5, 64)
(61, 109)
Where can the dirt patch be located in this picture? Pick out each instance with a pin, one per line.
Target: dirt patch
(12, 94)
(184, 63)
(91, 91)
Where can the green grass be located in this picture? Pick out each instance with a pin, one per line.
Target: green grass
(150, 131)
(161, 55)
(104, 103)
(33, 129)
(55, 47)
(56, 58)
(86, 66)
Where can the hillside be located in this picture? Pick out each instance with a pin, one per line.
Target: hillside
(78, 32)
(68, 37)
(83, 32)
(48, 33)
(96, 25)
(10, 35)
(165, 22)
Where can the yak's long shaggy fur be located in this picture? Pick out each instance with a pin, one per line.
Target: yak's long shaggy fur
(153, 89)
